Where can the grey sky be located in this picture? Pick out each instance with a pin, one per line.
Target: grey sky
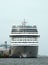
(34, 12)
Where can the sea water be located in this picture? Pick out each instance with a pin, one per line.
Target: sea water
(24, 61)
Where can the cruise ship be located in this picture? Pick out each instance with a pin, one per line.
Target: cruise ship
(24, 41)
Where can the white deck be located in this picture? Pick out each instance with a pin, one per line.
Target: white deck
(24, 44)
(24, 41)
(24, 34)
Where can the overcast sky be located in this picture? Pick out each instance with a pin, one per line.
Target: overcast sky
(35, 12)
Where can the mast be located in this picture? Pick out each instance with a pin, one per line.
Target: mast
(24, 23)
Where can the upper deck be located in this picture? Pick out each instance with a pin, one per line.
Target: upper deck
(24, 30)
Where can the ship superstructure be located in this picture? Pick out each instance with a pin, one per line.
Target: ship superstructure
(24, 41)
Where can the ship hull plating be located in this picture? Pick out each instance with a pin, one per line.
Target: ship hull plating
(24, 51)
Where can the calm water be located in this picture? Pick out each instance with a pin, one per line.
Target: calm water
(24, 61)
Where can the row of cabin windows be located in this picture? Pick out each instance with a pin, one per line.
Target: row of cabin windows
(24, 30)
(24, 39)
